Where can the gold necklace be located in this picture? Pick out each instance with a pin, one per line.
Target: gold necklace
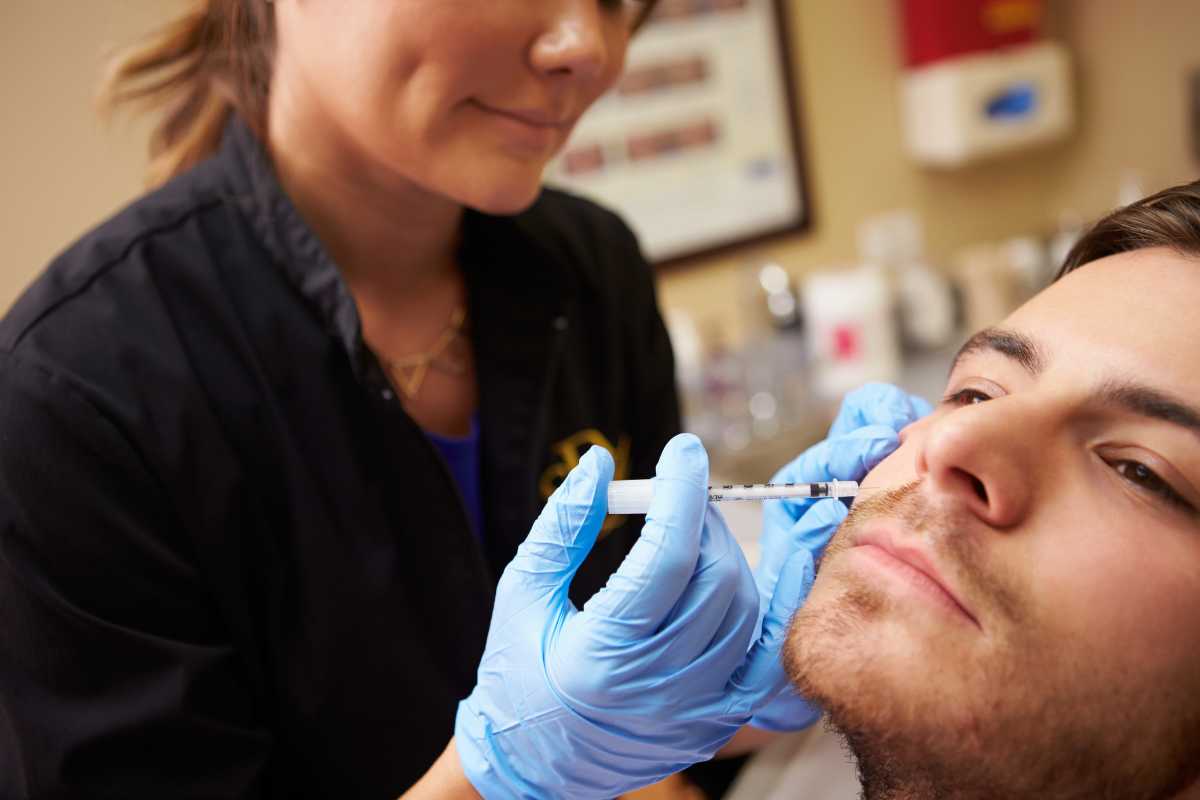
(409, 372)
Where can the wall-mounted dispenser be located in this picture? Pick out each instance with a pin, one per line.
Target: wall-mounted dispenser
(979, 82)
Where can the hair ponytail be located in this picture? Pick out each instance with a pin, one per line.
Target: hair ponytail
(212, 61)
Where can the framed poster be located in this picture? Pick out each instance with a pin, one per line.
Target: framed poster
(697, 146)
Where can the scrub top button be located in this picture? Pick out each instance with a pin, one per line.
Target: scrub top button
(560, 323)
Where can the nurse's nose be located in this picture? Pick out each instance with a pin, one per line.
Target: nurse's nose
(574, 41)
(984, 458)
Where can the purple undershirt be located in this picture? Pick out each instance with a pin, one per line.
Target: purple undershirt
(462, 457)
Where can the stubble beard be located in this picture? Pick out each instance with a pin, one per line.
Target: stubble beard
(1023, 724)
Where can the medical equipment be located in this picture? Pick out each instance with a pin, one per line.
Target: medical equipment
(656, 671)
(633, 497)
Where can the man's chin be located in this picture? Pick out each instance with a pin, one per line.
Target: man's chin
(928, 715)
(842, 654)
(872, 657)
(826, 652)
(889, 678)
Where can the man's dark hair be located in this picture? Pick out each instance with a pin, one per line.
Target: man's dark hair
(1170, 218)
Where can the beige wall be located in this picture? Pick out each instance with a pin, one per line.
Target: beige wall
(1132, 58)
(64, 171)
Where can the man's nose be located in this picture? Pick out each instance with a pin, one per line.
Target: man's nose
(985, 458)
(574, 41)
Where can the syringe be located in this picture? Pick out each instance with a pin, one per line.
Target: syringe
(633, 497)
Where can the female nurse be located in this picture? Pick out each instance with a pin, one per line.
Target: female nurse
(275, 438)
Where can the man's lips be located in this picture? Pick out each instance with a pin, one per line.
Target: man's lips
(894, 545)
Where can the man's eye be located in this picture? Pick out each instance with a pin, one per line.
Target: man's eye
(966, 397)
(1147, 480)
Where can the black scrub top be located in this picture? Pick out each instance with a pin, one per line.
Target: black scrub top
(231, 565)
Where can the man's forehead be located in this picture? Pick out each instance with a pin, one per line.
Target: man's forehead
(1135, 307)
(1157, 271)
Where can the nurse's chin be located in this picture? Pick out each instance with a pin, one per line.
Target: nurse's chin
(501, 187)
(507, 206)
(505, 200)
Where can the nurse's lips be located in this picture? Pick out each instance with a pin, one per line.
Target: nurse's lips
(888, 539)
(534, 117)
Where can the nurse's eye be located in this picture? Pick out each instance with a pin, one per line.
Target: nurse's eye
(966, 397)
(632, 10)
(1148, 481)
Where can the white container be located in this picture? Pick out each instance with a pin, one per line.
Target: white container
(968, 108)
(927, 308)
(850, 329)
(896, 241)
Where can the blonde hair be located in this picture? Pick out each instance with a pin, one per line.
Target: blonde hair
(213, 60)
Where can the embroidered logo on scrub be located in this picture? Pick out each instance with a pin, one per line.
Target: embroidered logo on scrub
(570, 450)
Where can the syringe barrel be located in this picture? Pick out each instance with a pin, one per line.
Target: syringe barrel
(633, 497)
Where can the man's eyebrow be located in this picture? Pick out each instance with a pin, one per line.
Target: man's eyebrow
(1014, 345)
(1146, 402)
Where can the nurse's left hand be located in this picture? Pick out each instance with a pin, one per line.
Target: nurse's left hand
(865, 432)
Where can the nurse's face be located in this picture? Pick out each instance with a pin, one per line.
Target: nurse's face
(1016, 611)
(465, 98)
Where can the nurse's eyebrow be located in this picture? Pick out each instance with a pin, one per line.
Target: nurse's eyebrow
(1147, 402)
(1014, 345)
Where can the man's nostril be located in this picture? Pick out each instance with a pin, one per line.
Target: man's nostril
(980, 490)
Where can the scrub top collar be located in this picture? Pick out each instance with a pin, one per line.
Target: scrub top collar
(530, 268)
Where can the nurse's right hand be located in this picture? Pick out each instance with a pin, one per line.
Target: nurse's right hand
(655, 673)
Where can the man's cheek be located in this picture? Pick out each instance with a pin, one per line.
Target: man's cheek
(897, 469)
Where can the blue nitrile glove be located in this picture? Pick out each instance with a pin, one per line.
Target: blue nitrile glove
(863, 434)
(655, 673)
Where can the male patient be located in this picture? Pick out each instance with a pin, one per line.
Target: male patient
(1012, 607)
